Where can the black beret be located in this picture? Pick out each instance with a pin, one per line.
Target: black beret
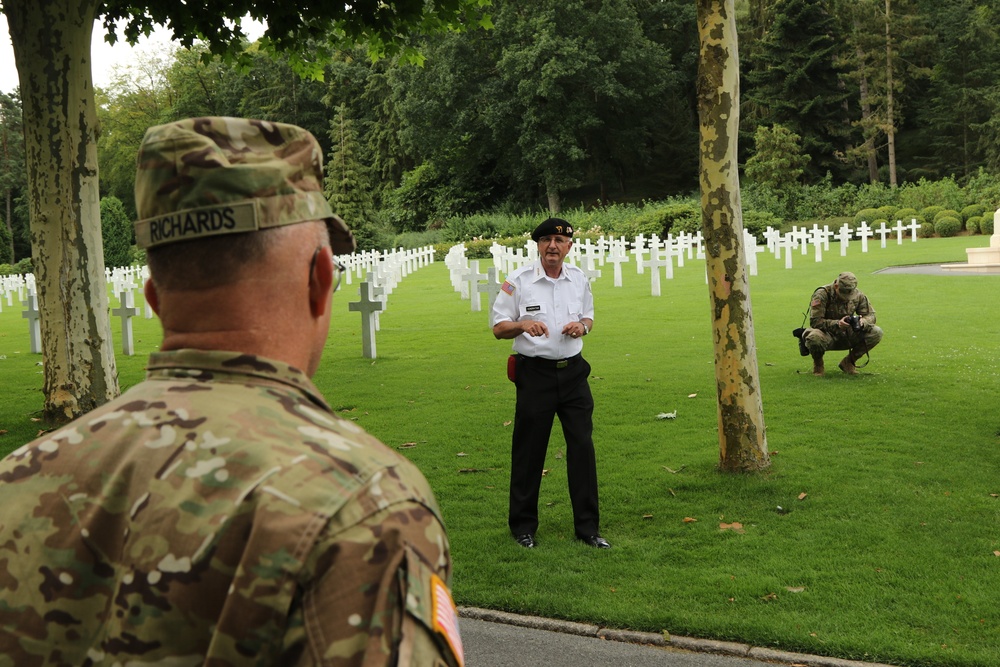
(551, 227)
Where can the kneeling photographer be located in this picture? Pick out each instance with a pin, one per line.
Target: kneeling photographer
(840, 318)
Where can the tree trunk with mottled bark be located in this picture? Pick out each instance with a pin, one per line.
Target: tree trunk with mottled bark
(51, 40)
(742, 440)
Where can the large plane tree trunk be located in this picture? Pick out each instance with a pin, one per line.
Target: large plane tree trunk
(742, 440)
(51, 40)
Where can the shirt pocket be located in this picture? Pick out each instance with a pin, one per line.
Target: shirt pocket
(533, 311)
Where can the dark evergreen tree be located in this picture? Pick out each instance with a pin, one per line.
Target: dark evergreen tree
(13, 179)
(116, 233)
(794, 79)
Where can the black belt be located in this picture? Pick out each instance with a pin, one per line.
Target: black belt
(551, 363)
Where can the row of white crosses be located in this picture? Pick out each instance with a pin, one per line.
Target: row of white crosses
(660, 255)
(382, 272)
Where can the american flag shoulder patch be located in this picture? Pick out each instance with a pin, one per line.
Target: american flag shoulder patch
(507, 288)
(446, 617)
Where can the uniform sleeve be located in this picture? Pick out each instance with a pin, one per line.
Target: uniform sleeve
(505, 305)
(381, 597)
(588, 301)
(817, 312)
(866, 311)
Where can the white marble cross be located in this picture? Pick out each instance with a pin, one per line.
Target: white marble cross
(899, 229)
(34, 327)
(788, 242)
(655, 262)
(126, 311)
(491, 286)
(883, 231)
(639, 250)
(844, 236)
(368, 306)
(864, 233)
(617, 257)
(473, 277)
(914, 228)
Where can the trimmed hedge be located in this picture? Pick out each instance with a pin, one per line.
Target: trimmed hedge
(947, 226)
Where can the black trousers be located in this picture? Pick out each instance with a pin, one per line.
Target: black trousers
(544, 391)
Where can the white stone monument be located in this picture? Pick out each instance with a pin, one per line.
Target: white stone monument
(126, 311)
(369, 306)
(34, 327)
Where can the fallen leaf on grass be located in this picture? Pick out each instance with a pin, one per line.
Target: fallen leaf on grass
(471, 470)
(545, 472)
(672, 493)
(42, 432)
(795, 589)
(997, 554)
(671, 470)
(689, 519)
(667, 415)
(802, 496)
(461, 454)
(692, 395)
(769, 597)
(407, 445)
(735, 526)
(992, 495)
(647, 516)
(3, 431)
(507, 423)
(35, 419)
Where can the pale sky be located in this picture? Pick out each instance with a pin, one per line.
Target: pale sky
(103, 56)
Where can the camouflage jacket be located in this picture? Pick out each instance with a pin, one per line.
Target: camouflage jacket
(219, 513)
(826, 309)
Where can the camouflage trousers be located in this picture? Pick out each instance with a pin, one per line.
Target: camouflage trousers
(818, 341)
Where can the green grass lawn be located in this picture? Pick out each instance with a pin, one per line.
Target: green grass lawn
(885, 546)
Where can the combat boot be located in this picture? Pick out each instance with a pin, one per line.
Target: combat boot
(847, 364)
(818, 363)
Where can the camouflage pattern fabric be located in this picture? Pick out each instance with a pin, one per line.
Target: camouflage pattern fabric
(219, 513)
(826, 309)
(203, 177)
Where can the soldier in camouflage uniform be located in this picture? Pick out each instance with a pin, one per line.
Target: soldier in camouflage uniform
(219, 513)
(830, 308)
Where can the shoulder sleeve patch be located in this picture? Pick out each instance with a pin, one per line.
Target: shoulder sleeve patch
(446, 617)
(507, 288)
(815, 303)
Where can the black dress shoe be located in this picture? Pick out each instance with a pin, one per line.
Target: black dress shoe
(527, 540)
(596, 541)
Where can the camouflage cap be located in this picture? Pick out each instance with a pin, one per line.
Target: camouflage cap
(847, 282)
(203, 177)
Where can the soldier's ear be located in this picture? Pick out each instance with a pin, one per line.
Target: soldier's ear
(321, 283)
(152, 297)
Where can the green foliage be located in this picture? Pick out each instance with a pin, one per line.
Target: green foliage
(929, 212)
(138, 255)
(926, 230)
(777, 161)
(947, 226)
(888, 212)
(116, 232)
(973, 210)
(757, 222)
(411, 240)
(868, 215)
(972, 224)
(6, 245)
(23, 267)
(986, 226)
(945, 192)
(946, 213)
(906, 214)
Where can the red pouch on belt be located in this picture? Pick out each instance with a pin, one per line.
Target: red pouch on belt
(512, 368)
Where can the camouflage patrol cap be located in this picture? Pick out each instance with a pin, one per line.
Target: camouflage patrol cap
(847, 282)
(203, 177)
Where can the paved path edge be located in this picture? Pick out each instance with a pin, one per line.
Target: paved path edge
(660, 639)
